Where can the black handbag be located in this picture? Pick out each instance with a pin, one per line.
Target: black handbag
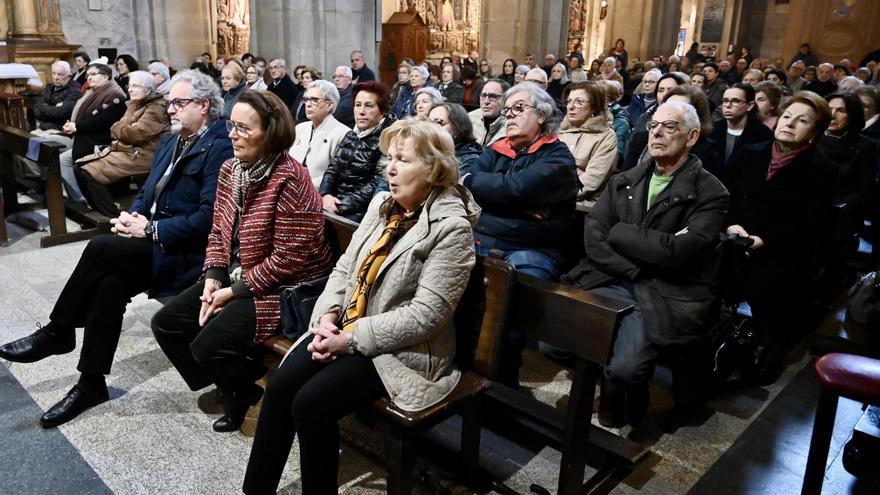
(297, 303)
(734, 347)
(864, 301)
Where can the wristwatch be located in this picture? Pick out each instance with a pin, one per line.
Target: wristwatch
(148, 229)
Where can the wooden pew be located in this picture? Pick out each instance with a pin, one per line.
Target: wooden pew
(560, 315)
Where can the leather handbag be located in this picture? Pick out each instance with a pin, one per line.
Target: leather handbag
(297, 303)
(734, 347)
(864, 300)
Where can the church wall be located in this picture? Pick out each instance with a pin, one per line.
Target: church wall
(514, 28)
(112, 27)
(319, 33)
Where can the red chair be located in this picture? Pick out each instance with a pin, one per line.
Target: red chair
(840, 375)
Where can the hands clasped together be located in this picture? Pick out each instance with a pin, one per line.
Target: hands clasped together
(329, 341)
(129, 225)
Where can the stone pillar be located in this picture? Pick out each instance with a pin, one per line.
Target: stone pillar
(512, 28)
(34, 35)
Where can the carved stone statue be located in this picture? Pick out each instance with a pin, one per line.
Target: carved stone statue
(233, 27)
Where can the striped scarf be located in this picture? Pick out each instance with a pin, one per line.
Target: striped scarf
(398, 224)
(244, 174)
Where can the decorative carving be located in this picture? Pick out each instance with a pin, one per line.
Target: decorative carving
(576, 25)
(233, 27)
(454, 25)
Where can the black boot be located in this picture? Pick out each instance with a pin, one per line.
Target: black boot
(235, 406)
(46, 341)
(637, 400)
(87, 393)
(612, 405)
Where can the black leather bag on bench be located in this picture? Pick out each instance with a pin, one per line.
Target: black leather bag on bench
(297, 303)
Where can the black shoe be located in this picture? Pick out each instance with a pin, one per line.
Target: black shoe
(612, 406)
(76, 401)
(39, 345)
(235, 406)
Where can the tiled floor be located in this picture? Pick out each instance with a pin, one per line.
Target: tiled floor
(153, 437)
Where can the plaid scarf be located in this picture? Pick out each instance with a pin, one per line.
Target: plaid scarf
(399, 222)
(244, 174)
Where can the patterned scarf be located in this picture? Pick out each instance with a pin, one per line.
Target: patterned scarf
(780, 159)
(244, 174)
(397, 225)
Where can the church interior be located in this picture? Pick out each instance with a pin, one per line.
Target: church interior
(814, 427)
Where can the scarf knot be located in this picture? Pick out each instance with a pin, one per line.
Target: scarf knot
(245, 174)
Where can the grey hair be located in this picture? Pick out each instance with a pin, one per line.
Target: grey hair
(539, 73)
(283, 62)
(328, 90)
(849, 83)
(826, 65)
(203, 88)
(611, 60)
(423, 71)
(144, 79)
(436, 97)
(656, 72)
(161, 68)
(348, 72)
(543, 102)
(691, 119)
(522, 69)
(564, 72)
(64, 66)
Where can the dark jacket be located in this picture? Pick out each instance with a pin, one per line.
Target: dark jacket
(404, 106)
(345, 108)
(854, 159)
(354, 173)
(286, 89)
(511, 184)
(755, 137)
(673, 276)
(47, 111)
(363, 75)
(468, 153)
(94, 130)
(637, 106)
(453, 91)
(230, 96)
(715, 92)
(822, 89)
(184, 208)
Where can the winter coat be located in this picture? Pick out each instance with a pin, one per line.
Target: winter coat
(853, 158)
(497, 130)
(230, 96)
(107, 105)
(354, 172)
(184, 207)
(408, 328)
(286, 89)
(673, 276)
(755, 137)
(594, 146)
(622, 129)
(344, 112)
(315, 148)
(509, 185)
(47, 111)
(467, 154)
(281, 237)
(135, 139)
(452, 91)
(404, 105)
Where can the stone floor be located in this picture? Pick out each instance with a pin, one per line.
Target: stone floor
(153, 436)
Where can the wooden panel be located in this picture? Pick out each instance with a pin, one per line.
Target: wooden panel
(832, 35)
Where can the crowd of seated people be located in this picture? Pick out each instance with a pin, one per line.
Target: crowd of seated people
(515, 166)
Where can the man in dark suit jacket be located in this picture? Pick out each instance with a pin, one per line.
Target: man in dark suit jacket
(55, 106)
(345, 109)
(359, 70)
(157, 246)
(282, 85)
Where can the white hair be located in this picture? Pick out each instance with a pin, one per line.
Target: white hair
(63, 65)
(144, 79)
(688, 112)
(436, 97)
(539, 73)
(543, 102)
(423, 71)
(564, 72)
(347, 70)
(523, 69)
(280, 60)
(849, 83)
(161, 69)
(328, 90)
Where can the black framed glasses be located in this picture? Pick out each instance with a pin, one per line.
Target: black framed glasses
(240, 129)
(516, 110)
(313, 100)
(669, 126)
(178, 103)
(490, 96)
(732, 101)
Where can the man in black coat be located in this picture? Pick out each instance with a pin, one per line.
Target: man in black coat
(345, 109)
(652, 241)
(359, 70)
(282, 85)
(58, 100)
(824, 83)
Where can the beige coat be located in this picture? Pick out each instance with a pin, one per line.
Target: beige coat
(135, 139)
(496, 132)
(408, 330)
(594, 146)
(314, 150)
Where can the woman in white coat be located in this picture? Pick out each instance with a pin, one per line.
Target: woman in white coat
(317, 139)
(383, 325)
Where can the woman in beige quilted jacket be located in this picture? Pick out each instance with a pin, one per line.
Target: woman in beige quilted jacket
(383, 325)
(588, 132)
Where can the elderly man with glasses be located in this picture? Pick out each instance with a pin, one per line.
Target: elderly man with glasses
(651, 240)
(157, 246)
(487, 120)
(282, 85)
(344, 111)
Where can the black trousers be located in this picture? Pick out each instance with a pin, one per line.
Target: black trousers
(218, 353)
(99, 196)
(307, 398)
(109, 273)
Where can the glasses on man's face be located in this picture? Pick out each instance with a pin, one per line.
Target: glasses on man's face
(490, 96)
(732, 101)
(275, 67)
(670, 126)
(576, 102)
(516, 110)
(240, 129)
(92, 74)
(313, 100)
(178, 103)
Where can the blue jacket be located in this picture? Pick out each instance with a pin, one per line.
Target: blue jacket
(511, 185)
(184, 209)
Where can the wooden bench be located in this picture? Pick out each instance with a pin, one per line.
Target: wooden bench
(548, 311)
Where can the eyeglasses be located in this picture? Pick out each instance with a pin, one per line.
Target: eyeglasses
(276, 67)
(240, 129)
(340, 76)
(135, 86)
(490, 96)
(732, 101)
(90, 74)
(516, 110)
(537, 81)
(576, 102)
(439, 122)
(670, 126)
(178, 103)
(313, 100)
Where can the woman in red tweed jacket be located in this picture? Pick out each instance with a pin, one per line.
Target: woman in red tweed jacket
(268, 231)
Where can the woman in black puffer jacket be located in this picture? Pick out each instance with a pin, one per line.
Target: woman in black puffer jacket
(356, 170)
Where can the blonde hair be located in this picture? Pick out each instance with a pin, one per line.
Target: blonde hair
(433, 146)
